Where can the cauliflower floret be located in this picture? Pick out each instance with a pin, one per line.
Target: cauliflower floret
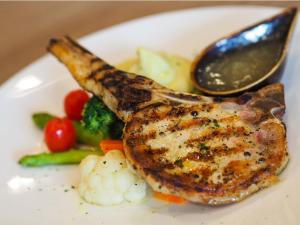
(136, 192)
(108, 180)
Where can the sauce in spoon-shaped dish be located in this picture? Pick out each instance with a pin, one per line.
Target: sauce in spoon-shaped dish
(245, 59)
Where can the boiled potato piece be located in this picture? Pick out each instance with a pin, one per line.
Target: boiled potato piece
(155, 66)
(168, 70)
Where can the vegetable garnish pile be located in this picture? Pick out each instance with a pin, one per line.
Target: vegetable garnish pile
(90, 134)
(71, 139)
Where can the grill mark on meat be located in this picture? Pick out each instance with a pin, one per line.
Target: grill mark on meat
(170, 180)
(156, 151)
(153, 115)
(199, 177)
(211, 153)
(178, 112)
(212, 135)
(96, 60)
(199, 121)
(145, 137)
(130, 97)
(113, 79)
(175, 112)
(224, 133)
(255, 177)
(184, 180)
(157, 156)
(188, 124)
(134, 126)
(103, 67)
(223, 189)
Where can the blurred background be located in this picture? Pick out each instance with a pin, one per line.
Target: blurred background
(27, 26)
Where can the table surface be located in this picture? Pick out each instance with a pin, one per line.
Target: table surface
(27, 26)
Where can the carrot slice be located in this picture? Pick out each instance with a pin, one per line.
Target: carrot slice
(169, 198)
(108, 145)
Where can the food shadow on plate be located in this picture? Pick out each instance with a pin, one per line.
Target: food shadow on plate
(184, 212)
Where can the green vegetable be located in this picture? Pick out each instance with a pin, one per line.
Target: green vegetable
(97, 117)
(83, 135)
(73, 156)
(41, 119)
(179, 163)
(203, 146)
(216, 124)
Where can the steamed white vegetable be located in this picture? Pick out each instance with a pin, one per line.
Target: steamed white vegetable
(168, 70)
(107, 180)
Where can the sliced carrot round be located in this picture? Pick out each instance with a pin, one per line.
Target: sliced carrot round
(108, 145)
(169, 198)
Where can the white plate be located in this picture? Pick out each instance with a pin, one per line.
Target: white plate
(44, 196)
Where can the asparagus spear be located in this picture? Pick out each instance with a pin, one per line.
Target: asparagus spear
(41, 119)
(73, 156)
(83, 135)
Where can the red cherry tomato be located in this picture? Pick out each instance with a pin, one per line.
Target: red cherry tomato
(60, 135)
(74, 103)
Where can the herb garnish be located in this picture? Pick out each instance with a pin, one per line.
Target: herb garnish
(179, 163)
(216, 124)
(204, 147)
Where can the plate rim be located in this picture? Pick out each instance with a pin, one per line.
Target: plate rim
(45, 55)
(44, 58)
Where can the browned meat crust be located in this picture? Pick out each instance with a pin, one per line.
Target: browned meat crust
(209, 154)
(207, 150)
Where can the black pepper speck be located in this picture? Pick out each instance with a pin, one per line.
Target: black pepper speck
(247, 154)
(194, 113)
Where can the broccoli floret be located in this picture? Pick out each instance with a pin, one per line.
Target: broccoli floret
(97, 117)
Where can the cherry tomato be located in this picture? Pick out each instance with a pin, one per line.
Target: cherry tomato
(74, 103)
(60, 135)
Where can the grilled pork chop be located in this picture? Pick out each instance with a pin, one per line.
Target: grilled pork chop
(206, 150)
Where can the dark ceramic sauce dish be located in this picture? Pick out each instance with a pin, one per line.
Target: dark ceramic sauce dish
(246, 60)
